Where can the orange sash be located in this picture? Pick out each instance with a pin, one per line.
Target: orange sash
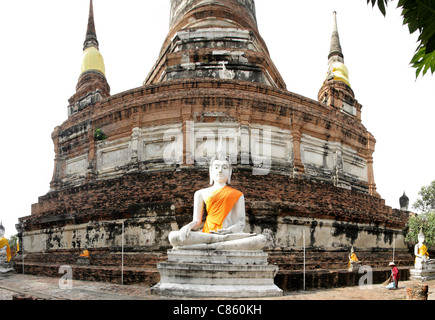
(219, 205)
(85, 254)
(353, 257)
(423, 251)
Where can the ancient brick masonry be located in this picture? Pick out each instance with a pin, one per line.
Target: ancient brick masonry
(417, 292)
(297, 198)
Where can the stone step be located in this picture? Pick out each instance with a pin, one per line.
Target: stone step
(112, 274)
(326, 279)
(288, 280)
(96, 258)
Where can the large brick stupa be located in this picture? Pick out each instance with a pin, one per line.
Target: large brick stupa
(132, 161)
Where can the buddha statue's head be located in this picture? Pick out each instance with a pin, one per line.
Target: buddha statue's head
(421, 237)
(220, 169)
(2, 230)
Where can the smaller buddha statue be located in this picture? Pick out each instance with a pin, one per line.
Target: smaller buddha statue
(84, 258)
(354, 264)
(421, 252)
(5, 250)
(224, 226)
(85, 254)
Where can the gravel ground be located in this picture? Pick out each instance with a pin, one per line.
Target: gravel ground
(5, 294)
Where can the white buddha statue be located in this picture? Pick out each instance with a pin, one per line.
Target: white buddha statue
(421, 252)
(225, 222)
(354, 264)
(5, 252)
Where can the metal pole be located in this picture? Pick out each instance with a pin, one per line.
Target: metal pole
(394, 249)
(304, 257)
(22, 251)
(122, 255)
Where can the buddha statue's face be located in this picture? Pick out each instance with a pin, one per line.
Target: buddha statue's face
(220, 171)
(420, 238)
(2, 233)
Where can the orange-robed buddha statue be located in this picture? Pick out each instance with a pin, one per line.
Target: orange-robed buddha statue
(5, 250)
(225, 222)
(421, 251)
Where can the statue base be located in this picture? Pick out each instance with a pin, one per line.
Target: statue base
(354, 266)
(83, 261)
(217, 274)
(6, 267)
(424, 271)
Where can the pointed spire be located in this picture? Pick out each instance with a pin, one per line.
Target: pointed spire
(92, 85)
(92, 58)
(335, 40)
(336, 90)
(214, 29)
(91, 34)
(337, 69)
(404, 202)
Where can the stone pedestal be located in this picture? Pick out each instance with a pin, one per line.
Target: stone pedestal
(424, 271)
(6, 267)
(354, 266)
(83, 261)
(217, 274)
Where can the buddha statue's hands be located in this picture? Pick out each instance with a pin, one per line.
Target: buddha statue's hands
(221, 232)
(185, 232)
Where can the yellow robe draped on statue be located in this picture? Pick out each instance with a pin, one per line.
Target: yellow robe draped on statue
(353, 257)
(4, 243)
(423, 251)
(85, 254)
(219, 205)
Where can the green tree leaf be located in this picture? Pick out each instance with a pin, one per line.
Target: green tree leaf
(418, 16)
(382, 4)
(424, 222)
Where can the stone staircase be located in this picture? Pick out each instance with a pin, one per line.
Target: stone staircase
(322, 269)
(139, 268)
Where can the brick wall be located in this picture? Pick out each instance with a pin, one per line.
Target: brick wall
(116, 198)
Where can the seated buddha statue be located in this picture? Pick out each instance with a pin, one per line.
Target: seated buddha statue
(5, 250)
(354, 264)
(421, 252)
(85, 254)
(225, 222)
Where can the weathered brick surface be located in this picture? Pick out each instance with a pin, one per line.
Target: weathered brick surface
(191, 100)
(23, 297)
(116, 198)
(322, 279)
(336, 260)
(109, 274)
(417, 292)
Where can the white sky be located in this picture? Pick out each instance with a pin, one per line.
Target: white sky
(41, 49)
